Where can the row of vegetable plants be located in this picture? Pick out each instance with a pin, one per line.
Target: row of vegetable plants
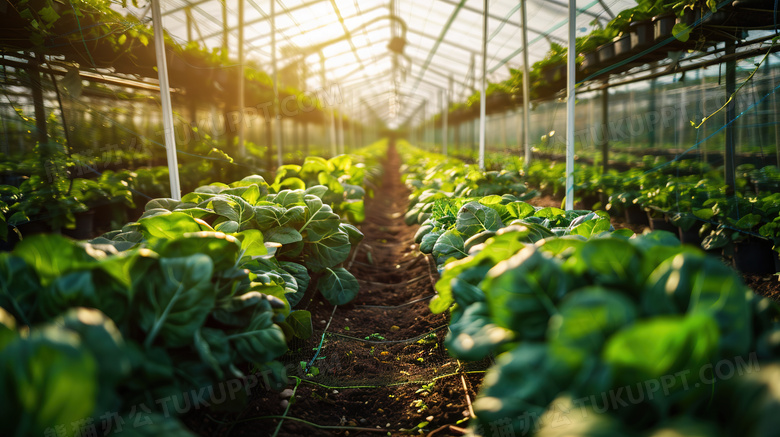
(684, 196)
(127, 328)
(596, 331)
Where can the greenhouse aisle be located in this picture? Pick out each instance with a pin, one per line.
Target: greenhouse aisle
(382, 368)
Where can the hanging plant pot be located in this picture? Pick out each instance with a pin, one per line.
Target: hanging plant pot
(606, 52)
(635, 215)
(84, 226)
(754, 256)
(660, 223)
(691, 236)
(590, 61)
(663, 26)
(622, 46)
(554, 73)
(642, 35)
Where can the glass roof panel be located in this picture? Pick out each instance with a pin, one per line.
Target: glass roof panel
(443, 39)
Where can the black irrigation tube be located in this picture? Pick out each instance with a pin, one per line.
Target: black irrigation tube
(393, 284)
(389, 307)
(406, 340)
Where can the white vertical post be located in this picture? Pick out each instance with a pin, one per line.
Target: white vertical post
(341, 130)
(277, 125)
(526, 87)
(445, 131)
(570, 99)
(241, 104)
(482, 85)
(165, 99)
(328, 112)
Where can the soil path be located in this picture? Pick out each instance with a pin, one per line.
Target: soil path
(382, 368)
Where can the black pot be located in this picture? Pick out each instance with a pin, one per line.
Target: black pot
(635, 215)
(555, 73)
(606, 52)
(754, 256)
(590, 61)
(662, 27)
(691, 236)
(642, 35)
(660, 224)
(84, 226)
(622, 46)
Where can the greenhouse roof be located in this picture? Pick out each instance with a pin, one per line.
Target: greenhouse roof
(443, 42)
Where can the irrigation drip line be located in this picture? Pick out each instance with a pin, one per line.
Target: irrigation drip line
(393, 284)
(389, 307)
(322, 341)
(407, 340)
(392, 384)
(287, 408)
(405, 265)
(339, 427)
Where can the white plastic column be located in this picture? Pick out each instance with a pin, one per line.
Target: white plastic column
(482, 85)
(570, 99)
(165, 100)
(241, 104)
(526, 88)
(276, 124)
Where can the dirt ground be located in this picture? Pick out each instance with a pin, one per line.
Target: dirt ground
(383, 366)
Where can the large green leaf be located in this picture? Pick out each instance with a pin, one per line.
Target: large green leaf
(46, 380)
(449, 245)
(320, 219)
(222, 249)
(327, 251)
(283, 235)
(233, 208)
(662, 347)
(53, 255)
(171, 225)
(338, 286)
(523, 290)
(175, 295)
(474, 217)
(300, 322)
(261, 341)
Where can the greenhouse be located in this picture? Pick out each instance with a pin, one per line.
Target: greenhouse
(362, 218)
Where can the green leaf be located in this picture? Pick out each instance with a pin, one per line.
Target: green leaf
(338, 286)
(222, 249)
(261, 341)
(171, 225)
(448, 245)
(300, 322)
(474, 218)
(252, 243)
(175, 295)
(591, 227)
(682, 31)
(162, 203)
(46, 379)
(283, 235)
(326, 252)
(53, 256)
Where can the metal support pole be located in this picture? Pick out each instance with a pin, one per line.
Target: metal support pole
(605, 129)
(445, 131)
(731, 113)
(570, 100)
(275, 73)
(341, 131)
(482, 86)
(241, 130)
(328, 112)
(526, 88)
(225, 34)
(165, 100)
